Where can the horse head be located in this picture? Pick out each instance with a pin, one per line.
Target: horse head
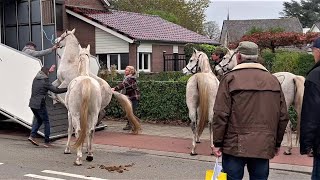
(227, 63)
(66, 36)
(198, 62)
(84, 63)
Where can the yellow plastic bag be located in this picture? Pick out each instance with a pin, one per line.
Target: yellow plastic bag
(210, 173)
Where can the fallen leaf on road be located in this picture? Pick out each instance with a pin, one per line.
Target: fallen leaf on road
(119, 169)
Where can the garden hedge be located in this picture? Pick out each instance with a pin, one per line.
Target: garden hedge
(163, 94)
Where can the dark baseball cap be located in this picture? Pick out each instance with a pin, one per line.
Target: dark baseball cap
(316, 43)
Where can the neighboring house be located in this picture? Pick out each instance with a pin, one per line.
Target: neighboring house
(233, 30)
(127, 38)
(315, 27)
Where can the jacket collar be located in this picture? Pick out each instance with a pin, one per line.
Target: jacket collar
(315, 66)
(249, 65)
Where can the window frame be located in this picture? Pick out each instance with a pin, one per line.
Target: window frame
(143, 69)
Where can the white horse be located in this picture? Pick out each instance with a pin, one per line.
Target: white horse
(68, 70)
(83, 101)
(201, 92)
(292, 87)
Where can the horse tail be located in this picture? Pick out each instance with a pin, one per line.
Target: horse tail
(127, 107)
(84, 108)
(203, 102)
(299, 86)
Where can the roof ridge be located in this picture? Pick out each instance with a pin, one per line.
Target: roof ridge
(130, 12)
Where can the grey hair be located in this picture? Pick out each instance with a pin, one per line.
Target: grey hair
(248, 57)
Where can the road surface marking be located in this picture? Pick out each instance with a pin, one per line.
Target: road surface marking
(1, 163)
(71, 175)
(42, 177)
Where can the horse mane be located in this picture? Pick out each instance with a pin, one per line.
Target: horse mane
(82, 67)
(204, 62)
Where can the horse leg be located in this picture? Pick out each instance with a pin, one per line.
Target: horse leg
(289, 139)
(197, 130)
(211, 131)
(55, 99)
(70, 128)
(90, 152)
(192, 115)
(78, 161)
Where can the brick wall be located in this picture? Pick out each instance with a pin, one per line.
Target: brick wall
(93, 4)
(84, 32)
(157, 56)
(133, 55)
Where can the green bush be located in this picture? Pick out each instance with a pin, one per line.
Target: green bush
(160, 100)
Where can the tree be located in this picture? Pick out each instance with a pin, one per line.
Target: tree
(187, 13)
(273, 40)
(307, 11)
(212, 30)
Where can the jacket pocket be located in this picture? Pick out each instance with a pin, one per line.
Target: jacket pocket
(257, 144)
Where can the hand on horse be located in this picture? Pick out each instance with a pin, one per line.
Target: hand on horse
(216, 151)
(52, 68)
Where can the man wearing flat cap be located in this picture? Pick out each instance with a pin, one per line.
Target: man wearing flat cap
(310, 114)
(30, 49)
(250, 116)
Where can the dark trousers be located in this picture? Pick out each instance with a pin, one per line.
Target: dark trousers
(41, 117)
(234, 167)
(316, 168)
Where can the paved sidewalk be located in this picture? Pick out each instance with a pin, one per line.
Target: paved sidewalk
(176, 141)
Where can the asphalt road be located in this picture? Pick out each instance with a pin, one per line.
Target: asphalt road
(19, 159)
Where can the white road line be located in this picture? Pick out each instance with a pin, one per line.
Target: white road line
(42, 177)
(71, 175)
(1, 163)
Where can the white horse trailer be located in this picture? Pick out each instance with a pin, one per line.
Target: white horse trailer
(17, 71)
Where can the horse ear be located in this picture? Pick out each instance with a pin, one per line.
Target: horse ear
(88, 48)
(73, 30)
(194, 50)
(80, 46)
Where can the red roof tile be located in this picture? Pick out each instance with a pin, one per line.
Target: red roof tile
(142, 26)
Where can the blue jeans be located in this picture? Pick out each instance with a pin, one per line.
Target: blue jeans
(41, 117)
(316, 168)
(234, 167)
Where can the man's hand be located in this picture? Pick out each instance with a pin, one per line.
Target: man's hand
(216, 151)
(52, 68)
(54, 47)
(112, 89)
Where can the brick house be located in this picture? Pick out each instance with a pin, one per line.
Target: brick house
(126, 38)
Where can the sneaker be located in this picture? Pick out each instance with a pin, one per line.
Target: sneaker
(33, 141)
(47, 145)
(128, 127)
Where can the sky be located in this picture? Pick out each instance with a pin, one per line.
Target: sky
(241, 9)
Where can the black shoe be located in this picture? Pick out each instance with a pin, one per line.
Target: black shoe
(128, 127)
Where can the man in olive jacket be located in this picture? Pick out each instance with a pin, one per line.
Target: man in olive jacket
(250, 116)
(310, 113)
(40, 88)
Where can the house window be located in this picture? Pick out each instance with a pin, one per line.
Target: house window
(120, 60)
(145, 62)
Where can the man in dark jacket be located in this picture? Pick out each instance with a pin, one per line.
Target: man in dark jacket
(40, 88)
(250, 117)
(310, 113)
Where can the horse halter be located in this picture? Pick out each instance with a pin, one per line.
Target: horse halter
(226, 65)
(62, 38)
(195, 66)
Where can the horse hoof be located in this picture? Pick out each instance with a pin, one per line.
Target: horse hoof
(89, 158)
(198, 142)
(287, 153)
(67, 152)
(193, 154)
(77, 164)
(212, 154)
